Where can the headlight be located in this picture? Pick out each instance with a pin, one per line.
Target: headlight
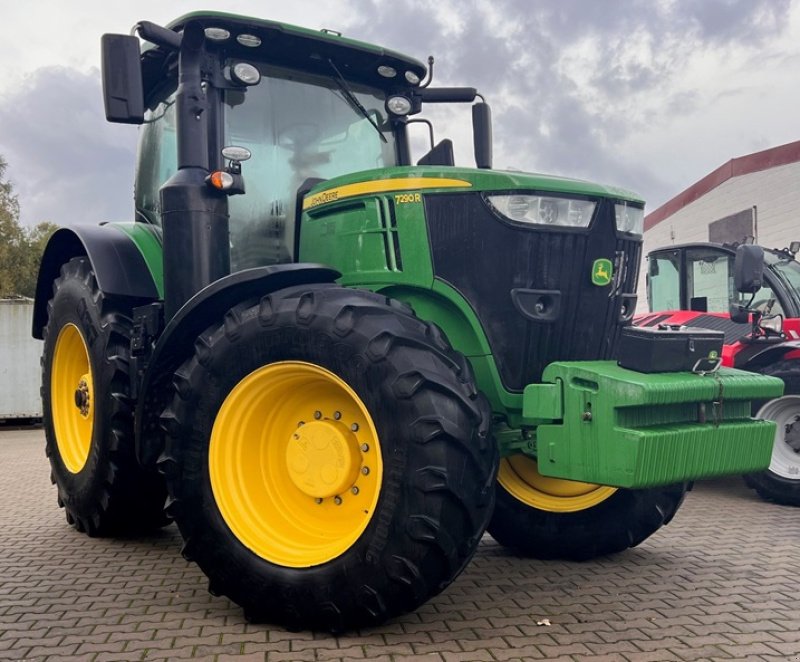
(541, 210)
(629, 218)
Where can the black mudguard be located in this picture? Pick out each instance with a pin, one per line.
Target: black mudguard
(118, 266)
(770, 354)
(176, 343)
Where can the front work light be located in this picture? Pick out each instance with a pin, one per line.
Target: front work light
(398, 105)
(629, 218)
(217, 34)
(245, 73)
(544, 210)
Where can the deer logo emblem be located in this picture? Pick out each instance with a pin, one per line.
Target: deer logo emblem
(602, 271)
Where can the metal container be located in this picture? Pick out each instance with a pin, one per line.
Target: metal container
(20, 374)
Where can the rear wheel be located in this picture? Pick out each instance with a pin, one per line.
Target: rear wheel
(328, 458)
(88, 414)
(548, 518)
(780, 483)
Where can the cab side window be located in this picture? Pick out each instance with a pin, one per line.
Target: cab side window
(157, 156)
(663, 282)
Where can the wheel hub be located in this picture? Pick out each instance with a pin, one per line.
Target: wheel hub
(296, 494)
(792, 434)
(83, 396)
(323, 458)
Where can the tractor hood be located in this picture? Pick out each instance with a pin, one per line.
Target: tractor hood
(432, 179)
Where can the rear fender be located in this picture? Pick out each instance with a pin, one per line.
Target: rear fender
(176, 343)
(118, 265)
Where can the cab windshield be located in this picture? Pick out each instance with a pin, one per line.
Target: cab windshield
(298, 127)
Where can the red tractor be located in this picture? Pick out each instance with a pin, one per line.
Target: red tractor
(694, 285)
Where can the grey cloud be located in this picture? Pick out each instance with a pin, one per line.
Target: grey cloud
(67, 163)
(580, 138)
(738, 19)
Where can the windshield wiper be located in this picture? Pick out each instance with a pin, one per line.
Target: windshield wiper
(352, 100)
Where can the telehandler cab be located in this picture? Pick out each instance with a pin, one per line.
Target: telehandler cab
(332, 362)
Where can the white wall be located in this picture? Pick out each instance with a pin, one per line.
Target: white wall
(20, 373)
(775, 192)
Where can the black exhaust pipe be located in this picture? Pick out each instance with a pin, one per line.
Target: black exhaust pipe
(194, 216)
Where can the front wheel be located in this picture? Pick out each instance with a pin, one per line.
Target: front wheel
(780, 483)
(550, 518)
(328, 458)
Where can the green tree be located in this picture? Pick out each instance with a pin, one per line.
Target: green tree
(20, 248)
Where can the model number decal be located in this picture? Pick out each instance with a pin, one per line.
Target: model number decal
(405, 198)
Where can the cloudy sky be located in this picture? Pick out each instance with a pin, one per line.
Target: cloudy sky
(646, 94)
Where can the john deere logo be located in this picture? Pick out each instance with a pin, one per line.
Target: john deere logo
(602, 271)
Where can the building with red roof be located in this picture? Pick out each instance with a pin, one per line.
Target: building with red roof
(757, 196)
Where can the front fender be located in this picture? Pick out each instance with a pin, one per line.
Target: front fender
(176, 343)
(118, 264)
(769, 355)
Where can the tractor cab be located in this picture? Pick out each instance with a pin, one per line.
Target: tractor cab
(300, 106)
(291, 127)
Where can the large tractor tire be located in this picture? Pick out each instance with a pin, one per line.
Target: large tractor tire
(88, 414)
(328, 458)
(551, 518)
(780, 483)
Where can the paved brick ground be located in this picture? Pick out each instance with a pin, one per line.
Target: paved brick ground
(721, 582)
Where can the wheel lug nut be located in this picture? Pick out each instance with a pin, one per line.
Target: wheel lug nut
(318, 500)
(337, 500)
(295, 436)
(365, 470)
(364, 448)
(318, 415)
(354, 427)
(337, 415)
(301, 423)
(354, 490)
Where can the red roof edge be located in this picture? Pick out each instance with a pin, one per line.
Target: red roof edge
(743, 165)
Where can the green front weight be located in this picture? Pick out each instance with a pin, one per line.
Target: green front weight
(612, 426)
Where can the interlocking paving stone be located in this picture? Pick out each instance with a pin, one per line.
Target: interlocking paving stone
(719, 583)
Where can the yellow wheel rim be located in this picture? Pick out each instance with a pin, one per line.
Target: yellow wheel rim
(72, 398)
(295, 464)
(519, 475)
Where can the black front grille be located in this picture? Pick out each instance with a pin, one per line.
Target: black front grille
(484, 258)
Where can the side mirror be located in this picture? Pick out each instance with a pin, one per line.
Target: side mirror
(123, 92)
(482, 134)
(748, 269)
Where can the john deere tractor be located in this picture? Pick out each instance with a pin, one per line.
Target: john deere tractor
(317, 353)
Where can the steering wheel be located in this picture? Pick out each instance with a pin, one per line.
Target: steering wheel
(299, 135)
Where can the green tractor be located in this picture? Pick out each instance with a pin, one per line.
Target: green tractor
(339, 375)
